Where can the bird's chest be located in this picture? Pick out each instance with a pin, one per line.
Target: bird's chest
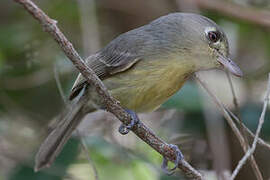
(150, 95)
(144, 89)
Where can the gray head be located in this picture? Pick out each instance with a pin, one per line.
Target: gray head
(195, 37)
(184, 36)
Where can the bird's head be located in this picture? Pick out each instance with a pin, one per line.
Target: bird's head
(203, 42)
(218, 49)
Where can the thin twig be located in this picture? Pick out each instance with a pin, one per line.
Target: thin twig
(236, 106)
(260, 141)
(223, 110)
(235, 101)
(87, 153)
(230, 122)
(218, 140)
(254, 165)
(58, 83)
(90, 39)
(254, 144)
(83, 146)
(111, 104)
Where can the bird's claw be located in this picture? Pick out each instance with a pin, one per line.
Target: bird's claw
(124, 129)
(179, 157)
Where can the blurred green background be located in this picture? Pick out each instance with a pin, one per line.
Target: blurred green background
(31, 62)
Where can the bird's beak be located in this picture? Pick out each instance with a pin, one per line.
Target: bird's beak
(229, 65)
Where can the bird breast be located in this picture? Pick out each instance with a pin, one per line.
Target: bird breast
(148, 84)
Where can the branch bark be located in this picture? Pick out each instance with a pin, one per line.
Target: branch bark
(112, 105)
(253, 163)
(236, 131)
(255, 141)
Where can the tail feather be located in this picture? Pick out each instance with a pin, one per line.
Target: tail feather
(58, 137)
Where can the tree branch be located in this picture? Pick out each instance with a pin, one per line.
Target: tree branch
(254, 164)
(260, 141)
(112, 105)
(255, 141)
(236, 131)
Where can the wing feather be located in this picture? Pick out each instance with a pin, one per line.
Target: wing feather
(118, 56)
(104, 66)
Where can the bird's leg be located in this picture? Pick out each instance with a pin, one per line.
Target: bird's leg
(124, 129)
(179, 157)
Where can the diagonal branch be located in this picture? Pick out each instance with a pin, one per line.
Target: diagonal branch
(236, 131)
(253, 164)
(83, 146)
(112, 105)
(260, 141)
(255, 141)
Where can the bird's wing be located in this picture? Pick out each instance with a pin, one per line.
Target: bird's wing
(105, 65)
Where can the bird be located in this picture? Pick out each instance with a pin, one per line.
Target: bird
(142, 68)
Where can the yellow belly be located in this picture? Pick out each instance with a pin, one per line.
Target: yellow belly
(148, 84)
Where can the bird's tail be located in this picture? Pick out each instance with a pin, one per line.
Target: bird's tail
(58, 137)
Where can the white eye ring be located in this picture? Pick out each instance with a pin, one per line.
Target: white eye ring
(212, 34)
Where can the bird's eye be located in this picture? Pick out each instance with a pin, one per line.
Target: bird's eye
(213, 36)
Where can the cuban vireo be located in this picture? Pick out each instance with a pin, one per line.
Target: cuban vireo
(142, 68)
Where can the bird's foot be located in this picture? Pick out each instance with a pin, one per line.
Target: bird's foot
(124, 129)
(179, 157)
